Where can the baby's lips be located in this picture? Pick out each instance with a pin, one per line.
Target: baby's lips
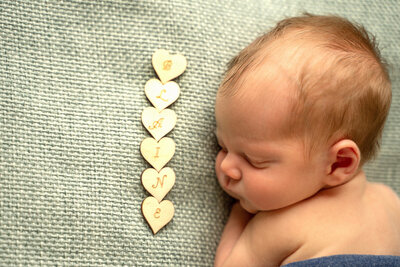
(228, 188)
(226, 184)
(222, 180)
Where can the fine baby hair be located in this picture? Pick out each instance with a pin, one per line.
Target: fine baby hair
(341, 84)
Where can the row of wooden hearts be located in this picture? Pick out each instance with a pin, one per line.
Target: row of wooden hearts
(158, 152)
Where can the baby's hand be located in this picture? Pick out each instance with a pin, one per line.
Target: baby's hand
(237, 222)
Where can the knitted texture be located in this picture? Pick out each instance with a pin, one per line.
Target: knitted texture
(72, 76)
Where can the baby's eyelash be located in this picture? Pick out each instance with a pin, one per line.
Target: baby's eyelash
(257, 164)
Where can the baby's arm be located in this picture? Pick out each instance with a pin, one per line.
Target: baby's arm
(267, 239)
(237, 221)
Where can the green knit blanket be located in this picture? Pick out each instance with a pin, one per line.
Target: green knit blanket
(72, 76)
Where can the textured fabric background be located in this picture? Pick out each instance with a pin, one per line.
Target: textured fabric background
(72, 76)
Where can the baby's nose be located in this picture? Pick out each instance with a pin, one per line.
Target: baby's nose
(229, 168)
(233, 174)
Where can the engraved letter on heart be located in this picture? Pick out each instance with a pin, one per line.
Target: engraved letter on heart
(158, 123)
(158, 183)
(157, 214)
(161, 95)
(157, 153)
(168, 66)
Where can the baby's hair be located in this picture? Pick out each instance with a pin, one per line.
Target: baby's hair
(342, 86)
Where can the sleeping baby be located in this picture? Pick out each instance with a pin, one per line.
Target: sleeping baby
(299, 112)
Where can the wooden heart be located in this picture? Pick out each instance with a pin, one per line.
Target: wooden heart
(157, 214)
(158, 184)
(168, 66)
(157, 153)
(161, 95)
(158, 123)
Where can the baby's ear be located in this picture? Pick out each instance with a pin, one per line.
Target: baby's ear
(344, 160)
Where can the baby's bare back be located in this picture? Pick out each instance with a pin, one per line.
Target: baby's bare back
(355, 221)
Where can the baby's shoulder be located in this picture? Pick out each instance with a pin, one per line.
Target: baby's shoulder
(293, 217)
(331, 206)
(328, 208)
(381, 194)
(383, 189)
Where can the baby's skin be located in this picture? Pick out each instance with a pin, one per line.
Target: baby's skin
(292, 207)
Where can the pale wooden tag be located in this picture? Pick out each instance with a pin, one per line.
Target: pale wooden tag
(168, 66)
(158, 123)
(161, 95)
(157, 214)
(158, 184)
(157, 153)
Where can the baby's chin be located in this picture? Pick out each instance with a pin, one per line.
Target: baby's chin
(247, 207)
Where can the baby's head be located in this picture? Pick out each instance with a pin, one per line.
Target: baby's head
(315, 79)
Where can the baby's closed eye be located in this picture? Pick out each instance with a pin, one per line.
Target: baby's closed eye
(259, 164)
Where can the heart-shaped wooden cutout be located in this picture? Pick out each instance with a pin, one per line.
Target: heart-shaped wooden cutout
(157, 214)
(157, 153)
(161, 95)
(158, 184)
(168, 66)
(158, 123)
